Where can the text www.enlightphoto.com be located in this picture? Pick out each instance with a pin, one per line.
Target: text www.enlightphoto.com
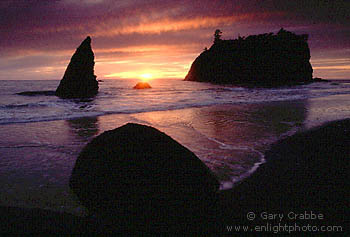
(290, 222)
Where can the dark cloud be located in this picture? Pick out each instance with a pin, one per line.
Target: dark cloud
(51, 26)
(39, 23)
(316, 11)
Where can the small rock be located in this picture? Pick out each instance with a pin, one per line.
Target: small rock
(142, 85)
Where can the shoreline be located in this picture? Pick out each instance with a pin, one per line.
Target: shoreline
(304, 173)
(104, 114)
(229, 139)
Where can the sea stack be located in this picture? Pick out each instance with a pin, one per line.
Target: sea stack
(265, 60)
(79, 80)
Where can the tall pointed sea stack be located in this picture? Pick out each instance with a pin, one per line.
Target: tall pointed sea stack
(79, 80)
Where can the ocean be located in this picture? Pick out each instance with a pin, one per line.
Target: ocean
(228, 128)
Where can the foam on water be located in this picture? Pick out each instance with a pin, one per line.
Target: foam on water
(117, 96)
(236, 179)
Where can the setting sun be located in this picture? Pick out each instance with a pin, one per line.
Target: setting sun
(146, 76)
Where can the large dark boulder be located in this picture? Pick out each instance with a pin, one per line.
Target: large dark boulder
(79, 80)
(258, 60)
(136, 171)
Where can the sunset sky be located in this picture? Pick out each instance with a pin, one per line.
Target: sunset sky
(159, 38)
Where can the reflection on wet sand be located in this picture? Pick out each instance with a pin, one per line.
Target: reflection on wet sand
(233, 124)
(84, 128)
(230, 139)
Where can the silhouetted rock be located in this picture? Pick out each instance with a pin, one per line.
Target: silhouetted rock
(307, 172)
(139, 173)
(261, 60)
(79, 80)
(318, 79)
(25, 221)
(37, 93)
(142, 85)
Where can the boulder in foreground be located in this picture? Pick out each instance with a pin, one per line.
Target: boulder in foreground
(79, 80)
(138, 171)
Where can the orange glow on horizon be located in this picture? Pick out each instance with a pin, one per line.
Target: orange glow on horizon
(146, 77)
(146, 62)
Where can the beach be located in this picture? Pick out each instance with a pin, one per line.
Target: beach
(287, 184)
(231, 137)
(38, 157)
(303, 183)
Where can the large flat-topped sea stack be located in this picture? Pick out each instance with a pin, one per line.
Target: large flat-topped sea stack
(258, 60)
(79, 80)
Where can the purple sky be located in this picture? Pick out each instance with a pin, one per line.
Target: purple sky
(159, 38)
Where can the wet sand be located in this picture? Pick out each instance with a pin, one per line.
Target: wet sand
(304, 176)
(37, 158)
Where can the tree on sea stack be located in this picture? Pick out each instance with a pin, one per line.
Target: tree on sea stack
(79, 80)
(217, 36)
